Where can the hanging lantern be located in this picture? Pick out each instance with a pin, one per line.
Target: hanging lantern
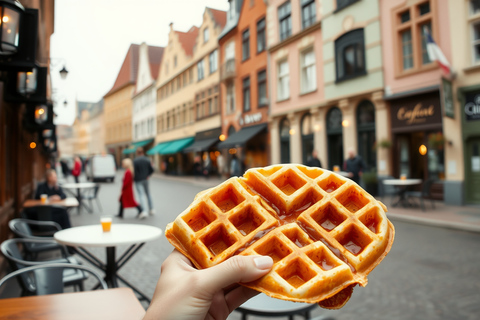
(11, 13)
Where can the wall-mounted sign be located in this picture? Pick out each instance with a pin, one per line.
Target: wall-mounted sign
(472, 106)
(447, 98)
(416, 112)
(250, 118)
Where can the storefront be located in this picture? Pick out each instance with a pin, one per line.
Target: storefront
(418, 141)
(204, 148)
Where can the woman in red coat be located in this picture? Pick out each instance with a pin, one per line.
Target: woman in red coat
(127, 199)
(77, 168)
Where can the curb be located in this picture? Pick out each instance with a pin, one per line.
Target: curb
(435, 223)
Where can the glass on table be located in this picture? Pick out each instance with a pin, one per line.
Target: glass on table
(44, 198)
(106, 222)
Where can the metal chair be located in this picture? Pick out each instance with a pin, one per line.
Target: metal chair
(386, 190)
(16, 261)
(49, 212)
(92, 194)
(424, 194)
(22, 228)
(48, 278)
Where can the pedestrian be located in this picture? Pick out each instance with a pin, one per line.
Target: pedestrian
(143, 170)
(127, 200)
(235, 167)
(221, 165)
(197, 166)
(77, 168)
(314, 161)
(54, 193)
(207, 166)
(354, 165)
(65, 169)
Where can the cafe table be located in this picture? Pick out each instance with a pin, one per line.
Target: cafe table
(80, 188)
(403, 185)
(69, 202)
(264, 306)
(133, 235)
(111, 304)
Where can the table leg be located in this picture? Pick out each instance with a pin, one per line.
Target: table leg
(111, 268)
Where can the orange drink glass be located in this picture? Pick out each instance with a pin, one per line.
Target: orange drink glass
(43, 198)
(106, 223)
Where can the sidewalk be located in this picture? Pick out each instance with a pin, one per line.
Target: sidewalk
(465, 218)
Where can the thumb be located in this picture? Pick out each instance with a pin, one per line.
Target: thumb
(236, 269)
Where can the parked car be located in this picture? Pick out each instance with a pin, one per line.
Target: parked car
(101, 167)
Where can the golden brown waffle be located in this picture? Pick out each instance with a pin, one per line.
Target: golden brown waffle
(323, 231)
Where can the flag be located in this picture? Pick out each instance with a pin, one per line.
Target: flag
(435, 53)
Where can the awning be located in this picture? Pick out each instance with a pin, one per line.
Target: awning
(241, 137)
(129, 150)
(156, 149)
(141, 143)
(201, 145)
(176, 146)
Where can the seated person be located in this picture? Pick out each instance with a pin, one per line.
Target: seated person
(55, 193)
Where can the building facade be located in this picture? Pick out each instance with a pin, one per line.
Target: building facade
(88, 129)
(118, 106)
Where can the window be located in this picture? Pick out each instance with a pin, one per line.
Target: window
(213, 61)
(344, 3)
(308, 79)
(190, 75)
(285, 20)
(350, 55)
(284, 141)
(184, 79)
(366, 132)
(200, 74)
(283, 89)
(246, 44)
(246, 95)
(424, 29)
(205, 35)
(210, 106)
(308, 13)
(178, 83)
(230, 98)
(175, 61)
(262, 88)
(407, 50)
(474, 7)
(231, 10)
(261, 43)
(476, 41)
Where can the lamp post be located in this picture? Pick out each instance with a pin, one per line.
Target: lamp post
(11, 13)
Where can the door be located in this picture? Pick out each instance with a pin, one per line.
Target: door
(472, 171)
(335, 151)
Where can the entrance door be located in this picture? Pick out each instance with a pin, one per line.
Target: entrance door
(335, 150)
(472, 171)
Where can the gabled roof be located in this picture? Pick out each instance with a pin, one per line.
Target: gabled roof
(188, 39)
(128, 71)
(219, 16)
(155, 55)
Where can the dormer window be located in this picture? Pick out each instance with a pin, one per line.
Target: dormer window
(205, 35)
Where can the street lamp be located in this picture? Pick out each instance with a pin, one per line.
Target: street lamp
(41, 114)
(63, 73)
(27, 82)
(11, 12)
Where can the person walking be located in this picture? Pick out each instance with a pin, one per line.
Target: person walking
(354, 165)
(127, 199)
(65, 169)
(143, 170)
(77, 168)
(314, 161)
(235, 167)
(220, 165)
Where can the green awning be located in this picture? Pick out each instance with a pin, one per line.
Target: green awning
(141, 143)
(158, 148)
(129, 150)
(177, 146)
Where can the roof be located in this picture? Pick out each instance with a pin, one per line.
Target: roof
(188, 39)
(155, 55)
(219, 16)
(128, 71)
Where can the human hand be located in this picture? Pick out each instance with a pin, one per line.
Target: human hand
(55, 197)
(185, 293)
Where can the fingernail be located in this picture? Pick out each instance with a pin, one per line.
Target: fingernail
(263, 262)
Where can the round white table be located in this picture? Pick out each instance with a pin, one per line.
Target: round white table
(80, 187)
(134, 235)
(403, 185)
(263, 305)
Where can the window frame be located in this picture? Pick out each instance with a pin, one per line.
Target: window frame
(200, 75)
(343, 4)
(313, 18)
(246, 93)
(262, 81)
(246, 44)
(206, 35)
(284, 17)
(354, 38)
(303, 67)
(261, 35)
(213, 57)
(279, 80)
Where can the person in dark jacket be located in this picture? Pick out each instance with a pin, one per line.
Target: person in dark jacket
(354, 165)
(143, 170)
(55, 193)
(65, 169)
(314, 161)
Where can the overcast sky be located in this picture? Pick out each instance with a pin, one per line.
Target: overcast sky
(92, 38)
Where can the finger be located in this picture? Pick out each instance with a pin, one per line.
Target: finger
(236, 269)
(239, 296)
(177, 259)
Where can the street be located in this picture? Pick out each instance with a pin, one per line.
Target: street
(430, 273)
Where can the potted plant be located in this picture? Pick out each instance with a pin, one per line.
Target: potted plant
(382, 144)
(436, 141)
(370, 181)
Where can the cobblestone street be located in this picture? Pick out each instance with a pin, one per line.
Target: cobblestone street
(430, 273)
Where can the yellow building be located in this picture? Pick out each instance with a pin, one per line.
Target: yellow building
(187, 94)
(118, 106)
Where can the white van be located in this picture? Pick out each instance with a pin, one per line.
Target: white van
(101, 167)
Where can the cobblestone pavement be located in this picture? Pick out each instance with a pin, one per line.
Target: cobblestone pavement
(430, 273)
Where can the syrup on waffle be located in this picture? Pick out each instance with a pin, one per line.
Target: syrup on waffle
(324, 232)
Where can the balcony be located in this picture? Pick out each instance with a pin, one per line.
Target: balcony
(227, 70)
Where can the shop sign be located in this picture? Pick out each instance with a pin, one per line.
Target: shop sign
(416, 112)
(447, 98)
(251, 118)
(472, 106)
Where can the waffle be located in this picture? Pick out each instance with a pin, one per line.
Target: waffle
(323, 231)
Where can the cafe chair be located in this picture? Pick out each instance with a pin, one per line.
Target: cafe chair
(22, 228)
(47, 278)
(92, 194)
(11, 251)
(425, 193)
(386, 190)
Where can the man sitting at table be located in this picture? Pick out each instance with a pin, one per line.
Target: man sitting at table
(55, 193)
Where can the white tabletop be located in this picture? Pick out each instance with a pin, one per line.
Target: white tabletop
(81, 185)
(343, 173)
(402, 182)
(263, 303)
(120, 234)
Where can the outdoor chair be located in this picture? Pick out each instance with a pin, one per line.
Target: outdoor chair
(386, 190)
(22, 228)
(16, 261)
(424, 194)
(92, 194)
(48, 278)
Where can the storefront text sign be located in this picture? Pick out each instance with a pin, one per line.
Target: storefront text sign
(419, 114)
(472, 106)
(416, 112)
(251, 118)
